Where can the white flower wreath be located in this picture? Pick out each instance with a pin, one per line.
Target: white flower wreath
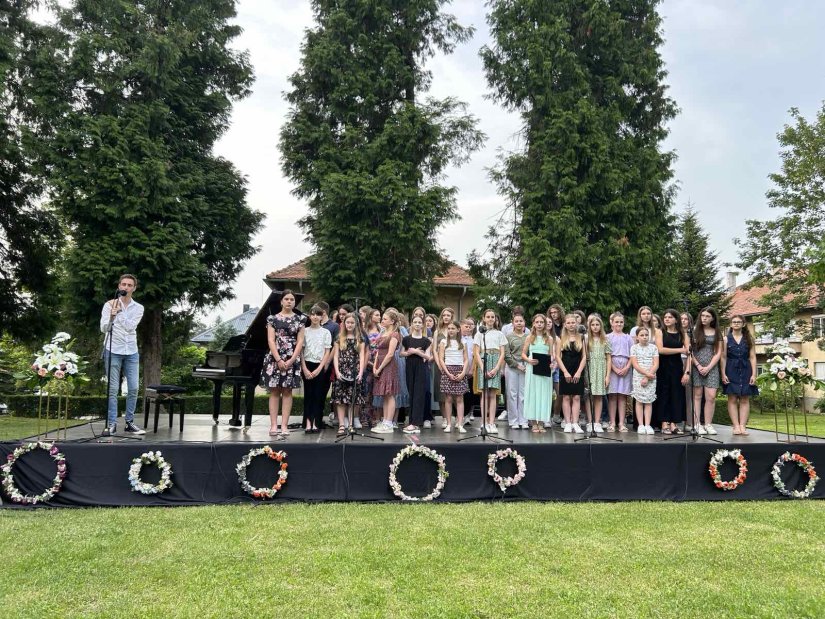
(418, 450)
(262, 493)
(716, 461)
(803, 463)
(150, 457)
(8, 479)
(501, 454)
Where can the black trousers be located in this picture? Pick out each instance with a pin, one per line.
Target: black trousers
(314, 396)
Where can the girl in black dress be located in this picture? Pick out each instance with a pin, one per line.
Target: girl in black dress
(572, 357)
(416, 349)
(671, 379)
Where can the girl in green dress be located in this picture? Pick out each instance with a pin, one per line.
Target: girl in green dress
(598, 368)
(538, 390)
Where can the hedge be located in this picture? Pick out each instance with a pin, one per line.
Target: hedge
(95, 405)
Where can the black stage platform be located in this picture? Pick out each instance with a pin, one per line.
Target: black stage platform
(204, 457)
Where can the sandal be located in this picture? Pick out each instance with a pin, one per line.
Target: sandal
(666, 431)
(341, 431)
(678, 431)
(535, 429)
(274, 432)
(542, 430)
(623, 429)
(611, 428)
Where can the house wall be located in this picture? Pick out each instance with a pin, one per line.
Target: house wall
(807, 350)
(458, 298)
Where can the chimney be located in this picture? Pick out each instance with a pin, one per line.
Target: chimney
(245, 308)
(730, 281)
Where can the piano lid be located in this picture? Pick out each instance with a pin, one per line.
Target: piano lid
(256, 332)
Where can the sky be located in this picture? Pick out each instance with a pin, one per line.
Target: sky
(735, 68)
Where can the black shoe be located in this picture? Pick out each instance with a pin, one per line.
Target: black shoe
(131, 428)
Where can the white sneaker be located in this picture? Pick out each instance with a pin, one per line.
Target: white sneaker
(568, 427)
(650, 430)
(394, 425)
(492, 429)
(447, 428)
(525, 426)
(380, 428)
(461, 429)
(356, 423)
(641, 430)
(710, 429)
(548, 424)
(503, 415)
(589, 427)
(515, 427)
(411, 430)
(577, 428)
(557, 420)
(700, 429)
(599, 428)
(428, 425)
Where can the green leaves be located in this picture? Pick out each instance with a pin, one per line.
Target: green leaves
(367, 155)
(587, 201)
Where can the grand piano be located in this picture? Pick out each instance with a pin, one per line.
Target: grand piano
(240, 362)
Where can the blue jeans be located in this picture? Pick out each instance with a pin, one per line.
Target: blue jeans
(128, 365)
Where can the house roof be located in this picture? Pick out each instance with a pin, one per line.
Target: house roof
(746, 302)
(239, 325)
(298, 271)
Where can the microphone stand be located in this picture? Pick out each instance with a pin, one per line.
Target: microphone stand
(589, 395)
(483, 433)
(351, 431)
(694, 433)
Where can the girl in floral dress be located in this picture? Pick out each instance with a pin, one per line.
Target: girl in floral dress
(282, 364)
(598, 369)
(644, 357)
(385, 370)
(350, 360)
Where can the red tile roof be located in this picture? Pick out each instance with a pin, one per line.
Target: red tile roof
(746, 302)
(455, 275)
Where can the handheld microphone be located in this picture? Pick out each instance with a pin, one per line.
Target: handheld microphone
(121, 293)
(581, 329)
(482, 329)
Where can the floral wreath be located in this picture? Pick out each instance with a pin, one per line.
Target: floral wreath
(418, 450)
(715, 462)
(262, 493)
(803, 463)
(8, 479)
(501, 454)
(150, 457)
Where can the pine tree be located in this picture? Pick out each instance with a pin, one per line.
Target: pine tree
(28, 229)
(139, 93)
(788, 253)
(588, 197)
(697, 267)
(368, 154)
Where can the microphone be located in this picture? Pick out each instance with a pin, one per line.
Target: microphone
(121, 293)
(482, 329)
(581, 329)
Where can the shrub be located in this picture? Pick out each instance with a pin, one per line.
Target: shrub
(95, 406)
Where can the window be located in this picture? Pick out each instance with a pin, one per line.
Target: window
(819, 369)
(760, 335)
(818, 326)
(760, 369)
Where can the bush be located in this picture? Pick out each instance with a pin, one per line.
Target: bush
(95, 406)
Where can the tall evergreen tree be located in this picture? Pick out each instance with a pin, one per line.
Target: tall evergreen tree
(697, 267)
(788, 253)
(28, 229)
(368, 154)
(140, 94)
(589, 200)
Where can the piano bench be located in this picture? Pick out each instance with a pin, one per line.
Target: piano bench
(169, 396)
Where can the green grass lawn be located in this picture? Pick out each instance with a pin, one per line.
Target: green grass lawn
(730, 559)
(12, 428)
(764, 420)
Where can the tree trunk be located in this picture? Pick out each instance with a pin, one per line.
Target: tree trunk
(152, 345)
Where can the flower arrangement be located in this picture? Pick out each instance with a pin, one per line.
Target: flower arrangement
(426, 452)
(262, 493)
(56, 364)
(150, 457)
(501, 454)
(784, 368)
(716, 460)
(8, 478)
(803, 463)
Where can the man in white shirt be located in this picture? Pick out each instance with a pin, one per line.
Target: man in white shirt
(123, 314)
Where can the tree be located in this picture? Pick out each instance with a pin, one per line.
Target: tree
(787, 254)
(28, 230)
(221, 334)
(140, 94)
(587, 200)
(697, 267)
(367, 154)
